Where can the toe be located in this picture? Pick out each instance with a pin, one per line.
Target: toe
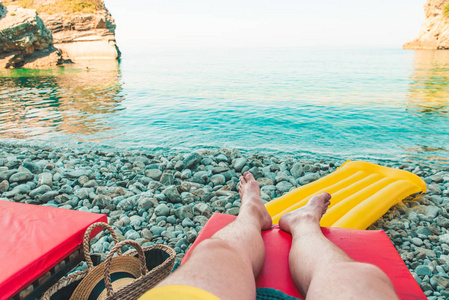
(248, 176)
(242, 179)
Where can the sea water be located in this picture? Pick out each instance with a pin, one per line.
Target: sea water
(345, 104)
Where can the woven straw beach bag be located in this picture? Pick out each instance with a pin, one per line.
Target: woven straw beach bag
(126, 276)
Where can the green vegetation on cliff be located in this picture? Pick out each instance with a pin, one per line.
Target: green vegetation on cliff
(59, 6)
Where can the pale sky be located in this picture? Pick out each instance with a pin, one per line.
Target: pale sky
(265, 23)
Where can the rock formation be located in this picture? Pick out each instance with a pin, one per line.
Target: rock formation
(54, 36)
(434, 33)
(84, 36)
(24, 39)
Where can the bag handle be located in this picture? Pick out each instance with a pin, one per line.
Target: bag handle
(86, 246)
(107, 263)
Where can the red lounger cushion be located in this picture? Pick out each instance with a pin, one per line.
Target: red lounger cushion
(365, 246)
(36, 238)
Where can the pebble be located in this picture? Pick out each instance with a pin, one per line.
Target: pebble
(21, 177)
(40, 190)
(239, 163)
(308, 178)
(154, 174)
(162, 210)
(4, 186)
(172, 194)
(168, 198)
(423, 271)
(75, 174)
(191, 160)
(284, 186)
(45, 178)
(297, 170)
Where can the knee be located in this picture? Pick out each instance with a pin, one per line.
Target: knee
(215, 246)
(371, 272)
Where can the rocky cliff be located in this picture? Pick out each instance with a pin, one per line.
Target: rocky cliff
(434, 33)
(83, 36)
(24, 39)
(63, 31)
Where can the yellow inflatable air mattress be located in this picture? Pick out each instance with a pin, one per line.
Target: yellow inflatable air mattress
(361, 193)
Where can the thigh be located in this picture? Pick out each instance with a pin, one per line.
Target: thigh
(217, 267)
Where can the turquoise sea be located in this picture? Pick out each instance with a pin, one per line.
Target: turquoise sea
(370, 104)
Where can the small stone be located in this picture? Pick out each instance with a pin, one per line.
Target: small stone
(442, 281)
(184, 212)
(45, 178)
(308, 178)
(235, 153)
(191, 160)
(162, 210)
(75, 174)
(239, 163)
(20, 189)
(144, 203)
(66, 189)
(233, 211)
(438, 178)
(5, 175)
(284, 186)
(417, 241)
(40, 190)
(442, 222)
(146, 234)
(191, 236)
(154, 174)
(424, 230)
(423, 270)
(167, 177)
(200, 177)
(203, 209)
(136, 221)
(444, 238)
(82, 193)
(187, 223)
(186, 174)
(90, 183)
(200, 219)
(264, 181)
(4, 186)
(132, 235)
(21, 177)
(218, 170)
(172, 194)
(33, 168)
(434, 188)
(82, 180)
(172, 219)
(432, 211)
(157, 230)
(221, 157)
(49, 196)
(218, 179)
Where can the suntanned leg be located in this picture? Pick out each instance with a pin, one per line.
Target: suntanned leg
(320, 269)
(226, 264)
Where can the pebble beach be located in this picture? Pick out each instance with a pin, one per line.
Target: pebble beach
(167, 199)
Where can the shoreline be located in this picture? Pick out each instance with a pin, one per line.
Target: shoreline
(155, 198)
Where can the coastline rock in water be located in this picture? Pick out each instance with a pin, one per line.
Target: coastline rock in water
(24, 40)
(84, 36)
(434, 33)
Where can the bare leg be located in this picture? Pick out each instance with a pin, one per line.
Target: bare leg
(226, 264)
(320, 269)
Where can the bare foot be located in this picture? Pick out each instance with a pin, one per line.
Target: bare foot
(251, 201)
(310, 213)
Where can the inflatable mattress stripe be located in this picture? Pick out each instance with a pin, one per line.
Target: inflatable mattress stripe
(361, 193)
